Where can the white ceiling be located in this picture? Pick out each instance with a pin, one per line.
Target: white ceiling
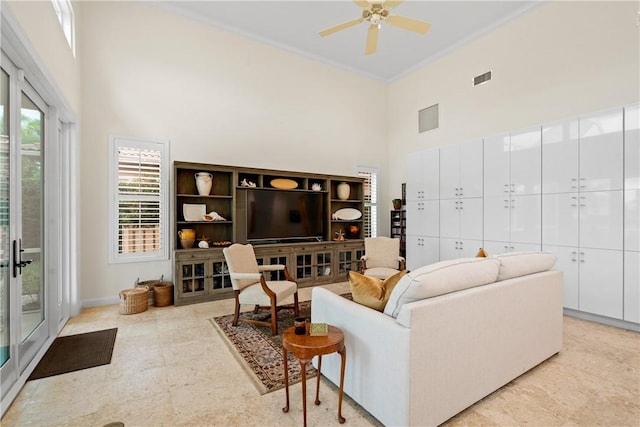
(294, 25)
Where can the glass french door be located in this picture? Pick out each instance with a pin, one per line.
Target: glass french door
(23, 326)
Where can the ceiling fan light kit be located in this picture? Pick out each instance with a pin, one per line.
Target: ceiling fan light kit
(375, 14)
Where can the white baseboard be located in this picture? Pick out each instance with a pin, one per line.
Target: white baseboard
(602, 319)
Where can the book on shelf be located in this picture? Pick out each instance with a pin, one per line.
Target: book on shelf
(318, 329)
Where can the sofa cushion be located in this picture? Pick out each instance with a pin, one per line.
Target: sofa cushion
(372, 291)
(516, 264)
(441, 278)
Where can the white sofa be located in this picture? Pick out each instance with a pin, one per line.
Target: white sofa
(442, 353)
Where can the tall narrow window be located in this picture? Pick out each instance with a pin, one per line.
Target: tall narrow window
(64, 11)
(370, 216)
(139, 171)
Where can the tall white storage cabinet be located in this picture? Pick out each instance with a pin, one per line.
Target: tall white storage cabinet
(632, 214)
(423, 192)
(582, 209)
(460, 200)
(512, 191)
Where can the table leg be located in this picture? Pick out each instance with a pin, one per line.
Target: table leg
(286, 379)
(343, 356)
(303, 368)
(317, 402)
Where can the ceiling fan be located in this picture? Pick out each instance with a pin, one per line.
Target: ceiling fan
(377, 12)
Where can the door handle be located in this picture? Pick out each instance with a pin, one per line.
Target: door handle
(18, 262)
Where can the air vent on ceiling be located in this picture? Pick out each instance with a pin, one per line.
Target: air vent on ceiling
(482, 78)
(428, 118)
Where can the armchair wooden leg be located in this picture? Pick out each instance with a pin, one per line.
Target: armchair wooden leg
(236, 314)
(274, 318)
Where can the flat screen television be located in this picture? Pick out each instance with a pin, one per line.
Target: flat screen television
(284, 215)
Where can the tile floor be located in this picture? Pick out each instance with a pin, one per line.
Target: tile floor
(170, 367)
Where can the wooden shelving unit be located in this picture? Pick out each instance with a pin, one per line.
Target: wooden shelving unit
(202, 275)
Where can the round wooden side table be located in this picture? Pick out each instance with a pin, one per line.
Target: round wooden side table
(305, 347)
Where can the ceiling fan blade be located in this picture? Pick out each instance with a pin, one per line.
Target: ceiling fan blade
(372, 40)
(410, 24)
(390, 4)
(340, 27)
(363, 4)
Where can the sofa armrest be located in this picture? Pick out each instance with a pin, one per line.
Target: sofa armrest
(373, 340)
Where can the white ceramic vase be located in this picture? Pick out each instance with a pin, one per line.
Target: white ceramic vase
(343, 191)
(204, 181)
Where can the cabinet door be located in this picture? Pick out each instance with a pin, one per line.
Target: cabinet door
(632, 220)
(414, 251)
(431, 174)
(431, 218)
(414, 176)
(450, 218)
(471, 174)
(560, 157)
(493, 248)
(415, 220)
(192, 277)
(496, 165)
(496, 218)
(430, 250)
(601, 219)
(526, 219)
(450, 171)
(469, 247)
(601, 151)
(632, 286)
(560, 219)
(567, 262)
(471, 223)
(449, 248)
(601, 285)
(632, 147)
(526, 158)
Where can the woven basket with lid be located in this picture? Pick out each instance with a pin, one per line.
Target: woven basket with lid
(134, 301)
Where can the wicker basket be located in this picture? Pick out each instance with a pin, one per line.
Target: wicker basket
(149, 284)
(134, 301)
(163, 294)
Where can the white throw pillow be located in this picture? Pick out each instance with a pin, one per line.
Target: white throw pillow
(516, 264)
(441, 278)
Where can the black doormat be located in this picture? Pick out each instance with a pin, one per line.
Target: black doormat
(75, 352)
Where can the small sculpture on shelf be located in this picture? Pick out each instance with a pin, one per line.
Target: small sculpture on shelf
(203, 242)
(245, 183)
(340, 235)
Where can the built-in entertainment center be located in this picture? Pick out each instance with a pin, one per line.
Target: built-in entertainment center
(312, 223)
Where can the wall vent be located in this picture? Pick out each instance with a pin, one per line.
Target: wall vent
(482, 78)
(428, 118)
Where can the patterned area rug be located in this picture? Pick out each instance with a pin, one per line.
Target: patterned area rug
(259, 352)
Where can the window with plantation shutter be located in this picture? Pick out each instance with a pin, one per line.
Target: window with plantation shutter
(370, 215)
(139, 199)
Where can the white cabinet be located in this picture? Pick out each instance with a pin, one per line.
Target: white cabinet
(632, 147)
(601, 219)
(461, 218)
(461, 170)
(422, 251)
(512, 163)
(601, 282)
(423, 175)
(560, 219)
(601, 151)
(458, 248)
(567, 262)
(496, 248)
(632, 220)
(560, 157)
(513, 219)
(632, 286)
(423, 217)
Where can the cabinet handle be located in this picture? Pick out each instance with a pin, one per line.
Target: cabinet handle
(574, 182)
(574, 256)
(506, 188)
(506, 203)
(583, 182)
(513, 188)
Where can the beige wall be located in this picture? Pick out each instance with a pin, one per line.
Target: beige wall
(219, 98)
(558, 60)
(40, 25)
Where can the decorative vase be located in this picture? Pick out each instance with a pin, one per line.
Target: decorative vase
(204, 181)
(397, 204)
(343, 191)
(353, 231)
(187, 238)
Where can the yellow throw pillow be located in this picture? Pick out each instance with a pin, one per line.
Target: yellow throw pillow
(371, 291)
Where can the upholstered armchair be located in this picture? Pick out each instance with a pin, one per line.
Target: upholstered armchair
(381, 257)
(250, 286)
